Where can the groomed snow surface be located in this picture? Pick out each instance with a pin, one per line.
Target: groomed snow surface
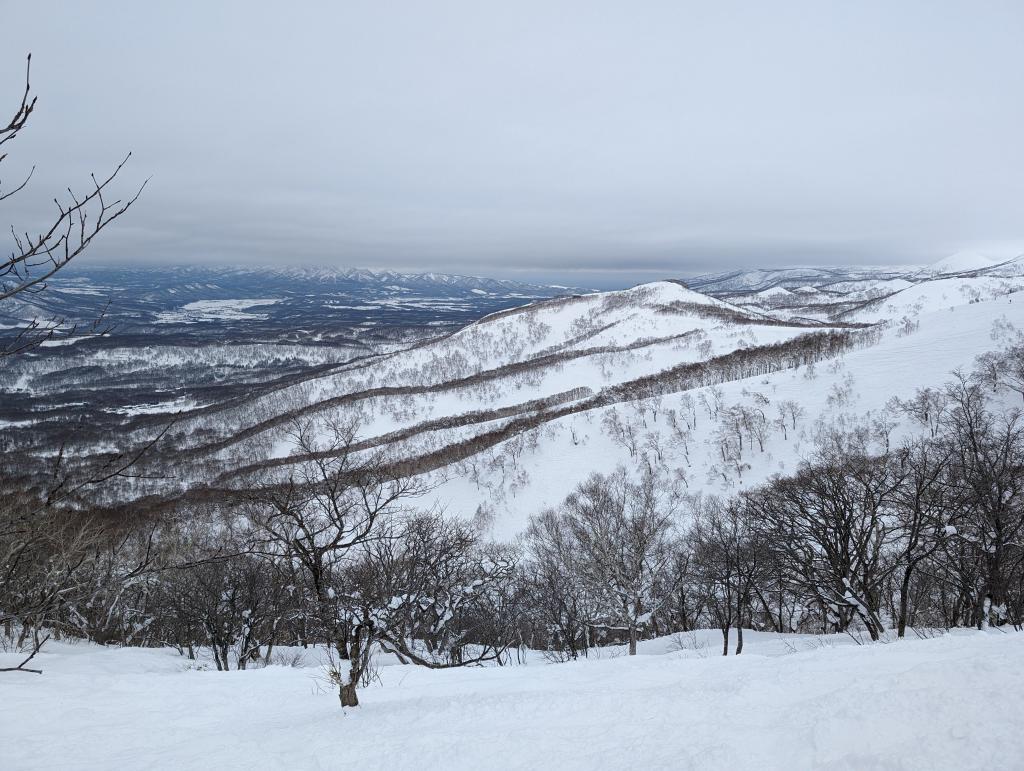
(793, 702)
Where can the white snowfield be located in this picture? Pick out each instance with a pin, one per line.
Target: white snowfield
(788, 702)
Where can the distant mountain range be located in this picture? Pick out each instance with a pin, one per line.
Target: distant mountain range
(758, 280)
(293, 304)
(200, 304)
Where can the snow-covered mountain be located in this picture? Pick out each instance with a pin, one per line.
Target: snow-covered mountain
(961, 262)
(758, 280)
(844, 280)
(504, 415)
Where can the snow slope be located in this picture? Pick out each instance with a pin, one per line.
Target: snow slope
(530, 397)
(849, 389)
(552, 347)
(938, 294)
(961, 262)
(504, 385)
(788, 702)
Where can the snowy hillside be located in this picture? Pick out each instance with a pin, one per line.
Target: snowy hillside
(943, 334)
(509, 374)
(961, 262)
(505, 416)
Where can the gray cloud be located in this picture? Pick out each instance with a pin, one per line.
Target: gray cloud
(596, 142)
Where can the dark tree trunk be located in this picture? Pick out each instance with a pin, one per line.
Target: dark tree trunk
(901, 628)
(347, 694)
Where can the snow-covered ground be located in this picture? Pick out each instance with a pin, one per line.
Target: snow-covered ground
(789, 701)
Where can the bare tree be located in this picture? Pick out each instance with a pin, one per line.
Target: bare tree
(563, 606)
(989, 462)
(443, 599)
(324, 517)
(622, 535)
(831, 527)
(927, 509)
(45, 547)
(729, 562)
(78, 219)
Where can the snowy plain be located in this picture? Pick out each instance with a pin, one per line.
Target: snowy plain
(955, 701)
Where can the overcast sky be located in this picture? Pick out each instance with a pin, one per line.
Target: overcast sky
(598, 143)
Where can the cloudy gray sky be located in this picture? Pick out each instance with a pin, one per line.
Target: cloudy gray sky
(602, 143)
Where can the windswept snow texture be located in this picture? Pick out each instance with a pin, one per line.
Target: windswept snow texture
(789, 702)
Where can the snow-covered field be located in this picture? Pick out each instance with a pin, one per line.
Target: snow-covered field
(790, 701)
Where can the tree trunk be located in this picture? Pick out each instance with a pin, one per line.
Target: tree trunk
(901, 627)
(347, 694)
(739, 639)
(632, 639)
(725, 639)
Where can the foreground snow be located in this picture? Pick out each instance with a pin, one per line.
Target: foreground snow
(788, 702)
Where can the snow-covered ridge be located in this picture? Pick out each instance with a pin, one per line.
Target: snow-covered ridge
(926, 330)
(512, 371)
(960, 262)
(510, 411)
